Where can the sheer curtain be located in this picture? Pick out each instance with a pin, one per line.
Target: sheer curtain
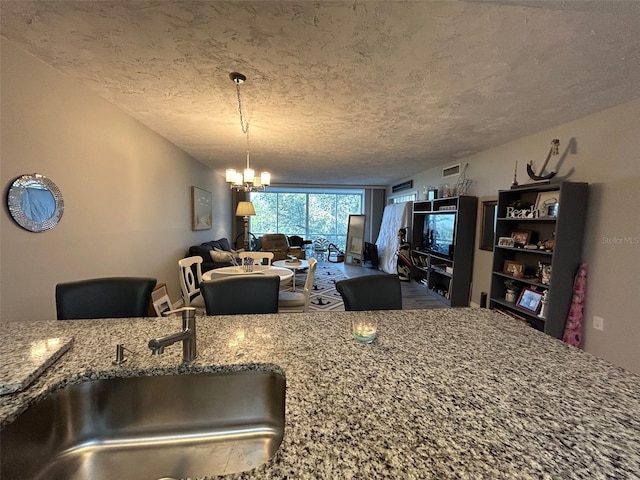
(394, 217)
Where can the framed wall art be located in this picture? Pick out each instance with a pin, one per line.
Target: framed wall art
(201, 209)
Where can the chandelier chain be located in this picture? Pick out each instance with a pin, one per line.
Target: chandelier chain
(244, 126)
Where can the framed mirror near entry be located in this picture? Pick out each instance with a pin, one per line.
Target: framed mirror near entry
(355, 239)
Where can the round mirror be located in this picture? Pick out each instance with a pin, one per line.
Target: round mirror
(35, 202)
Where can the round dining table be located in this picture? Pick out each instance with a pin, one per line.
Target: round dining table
(284, 273)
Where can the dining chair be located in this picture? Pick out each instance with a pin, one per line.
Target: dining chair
(111, 297)
(190, 280)
(239, 295)
(371, 292)
(258, 257)
(289, 301)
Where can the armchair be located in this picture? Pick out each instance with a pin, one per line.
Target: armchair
(278, 244)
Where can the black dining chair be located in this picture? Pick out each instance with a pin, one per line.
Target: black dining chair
(112, 297)
(238, 295)
(371, 292)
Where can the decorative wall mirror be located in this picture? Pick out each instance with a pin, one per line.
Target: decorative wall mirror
(355, 239)
(35, 202)
(488, 227)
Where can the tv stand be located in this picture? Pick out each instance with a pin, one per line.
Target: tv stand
(445, 275)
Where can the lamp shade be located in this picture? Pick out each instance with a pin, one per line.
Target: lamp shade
(245, 209)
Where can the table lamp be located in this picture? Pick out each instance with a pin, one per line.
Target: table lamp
(244, 210)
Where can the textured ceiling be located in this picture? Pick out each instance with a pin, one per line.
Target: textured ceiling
(341, 92)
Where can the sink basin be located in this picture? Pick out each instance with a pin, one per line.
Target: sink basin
(148, 428)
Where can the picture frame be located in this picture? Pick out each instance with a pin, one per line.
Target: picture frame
(201, 209)
(506, 242)
(521, 237)
(547, 204)
(530, 300)
(163, 304)
(512, 267)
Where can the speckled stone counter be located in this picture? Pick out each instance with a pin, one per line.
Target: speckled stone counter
(456, 393)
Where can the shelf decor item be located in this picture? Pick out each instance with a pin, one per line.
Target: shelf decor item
(554, 150)
(512, 267)
(530, 300)
(521, 237)
(506, 242)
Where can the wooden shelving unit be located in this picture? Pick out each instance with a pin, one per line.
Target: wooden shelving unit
(446, 274)
(566, 229)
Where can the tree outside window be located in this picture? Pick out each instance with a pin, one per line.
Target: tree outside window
(308, 214)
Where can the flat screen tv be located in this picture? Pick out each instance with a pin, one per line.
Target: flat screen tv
(439, 232)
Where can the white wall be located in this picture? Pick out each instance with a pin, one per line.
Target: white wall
(607, 155)
(127, 190)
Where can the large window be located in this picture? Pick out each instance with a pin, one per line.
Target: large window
(307, 213)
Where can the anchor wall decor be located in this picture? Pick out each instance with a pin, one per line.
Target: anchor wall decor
(555, 144)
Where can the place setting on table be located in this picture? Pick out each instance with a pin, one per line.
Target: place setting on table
(249, 268)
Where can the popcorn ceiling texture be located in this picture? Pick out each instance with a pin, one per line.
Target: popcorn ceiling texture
(341, 92)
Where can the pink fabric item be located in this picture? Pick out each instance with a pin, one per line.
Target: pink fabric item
(573, 327)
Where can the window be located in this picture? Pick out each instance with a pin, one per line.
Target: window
(308, 213)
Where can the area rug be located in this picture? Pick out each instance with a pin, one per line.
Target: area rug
(323, 295)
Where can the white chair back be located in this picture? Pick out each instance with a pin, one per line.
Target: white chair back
(258, 257)
(299, 301)
(190, 291)
(308, 284)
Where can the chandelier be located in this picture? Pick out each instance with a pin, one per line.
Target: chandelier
(245, 180)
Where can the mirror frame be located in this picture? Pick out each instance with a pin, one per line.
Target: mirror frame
(354, 252)
(14, 203)
(488, 226)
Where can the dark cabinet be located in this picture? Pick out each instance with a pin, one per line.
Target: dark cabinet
(538, 249)
(443, 236)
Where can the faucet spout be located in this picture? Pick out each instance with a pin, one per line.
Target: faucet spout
(187, 336)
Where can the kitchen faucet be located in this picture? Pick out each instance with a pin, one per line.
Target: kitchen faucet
(187, 336)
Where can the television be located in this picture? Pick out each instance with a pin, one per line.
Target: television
(439, 232)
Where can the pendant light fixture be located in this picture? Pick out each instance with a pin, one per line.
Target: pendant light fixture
(245, 180)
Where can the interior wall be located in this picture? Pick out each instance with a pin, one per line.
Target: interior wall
(127, 190)
(604, 150)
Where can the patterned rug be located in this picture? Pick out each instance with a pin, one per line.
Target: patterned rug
(324, 295)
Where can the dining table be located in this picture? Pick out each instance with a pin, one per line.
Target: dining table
(285, 274)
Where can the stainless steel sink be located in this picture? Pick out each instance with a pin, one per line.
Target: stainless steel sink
(147, 428)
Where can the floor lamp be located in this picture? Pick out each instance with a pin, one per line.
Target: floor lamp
(244, 210)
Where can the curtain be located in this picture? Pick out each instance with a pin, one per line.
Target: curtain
(394, 217)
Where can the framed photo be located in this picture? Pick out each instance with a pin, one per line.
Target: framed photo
(547, 203)
(163, 304)
(201, 211)
(512, 267)
(521, 236)
(530, 300)
(506, 242)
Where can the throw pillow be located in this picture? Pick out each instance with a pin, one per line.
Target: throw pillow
(224, 244)
(218, 255)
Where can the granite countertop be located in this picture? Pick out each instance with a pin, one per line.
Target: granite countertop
(453, 393)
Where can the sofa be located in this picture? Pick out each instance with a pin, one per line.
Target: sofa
(278, 244)
(214, 254)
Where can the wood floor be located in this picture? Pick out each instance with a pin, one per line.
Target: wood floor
(414, 294)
